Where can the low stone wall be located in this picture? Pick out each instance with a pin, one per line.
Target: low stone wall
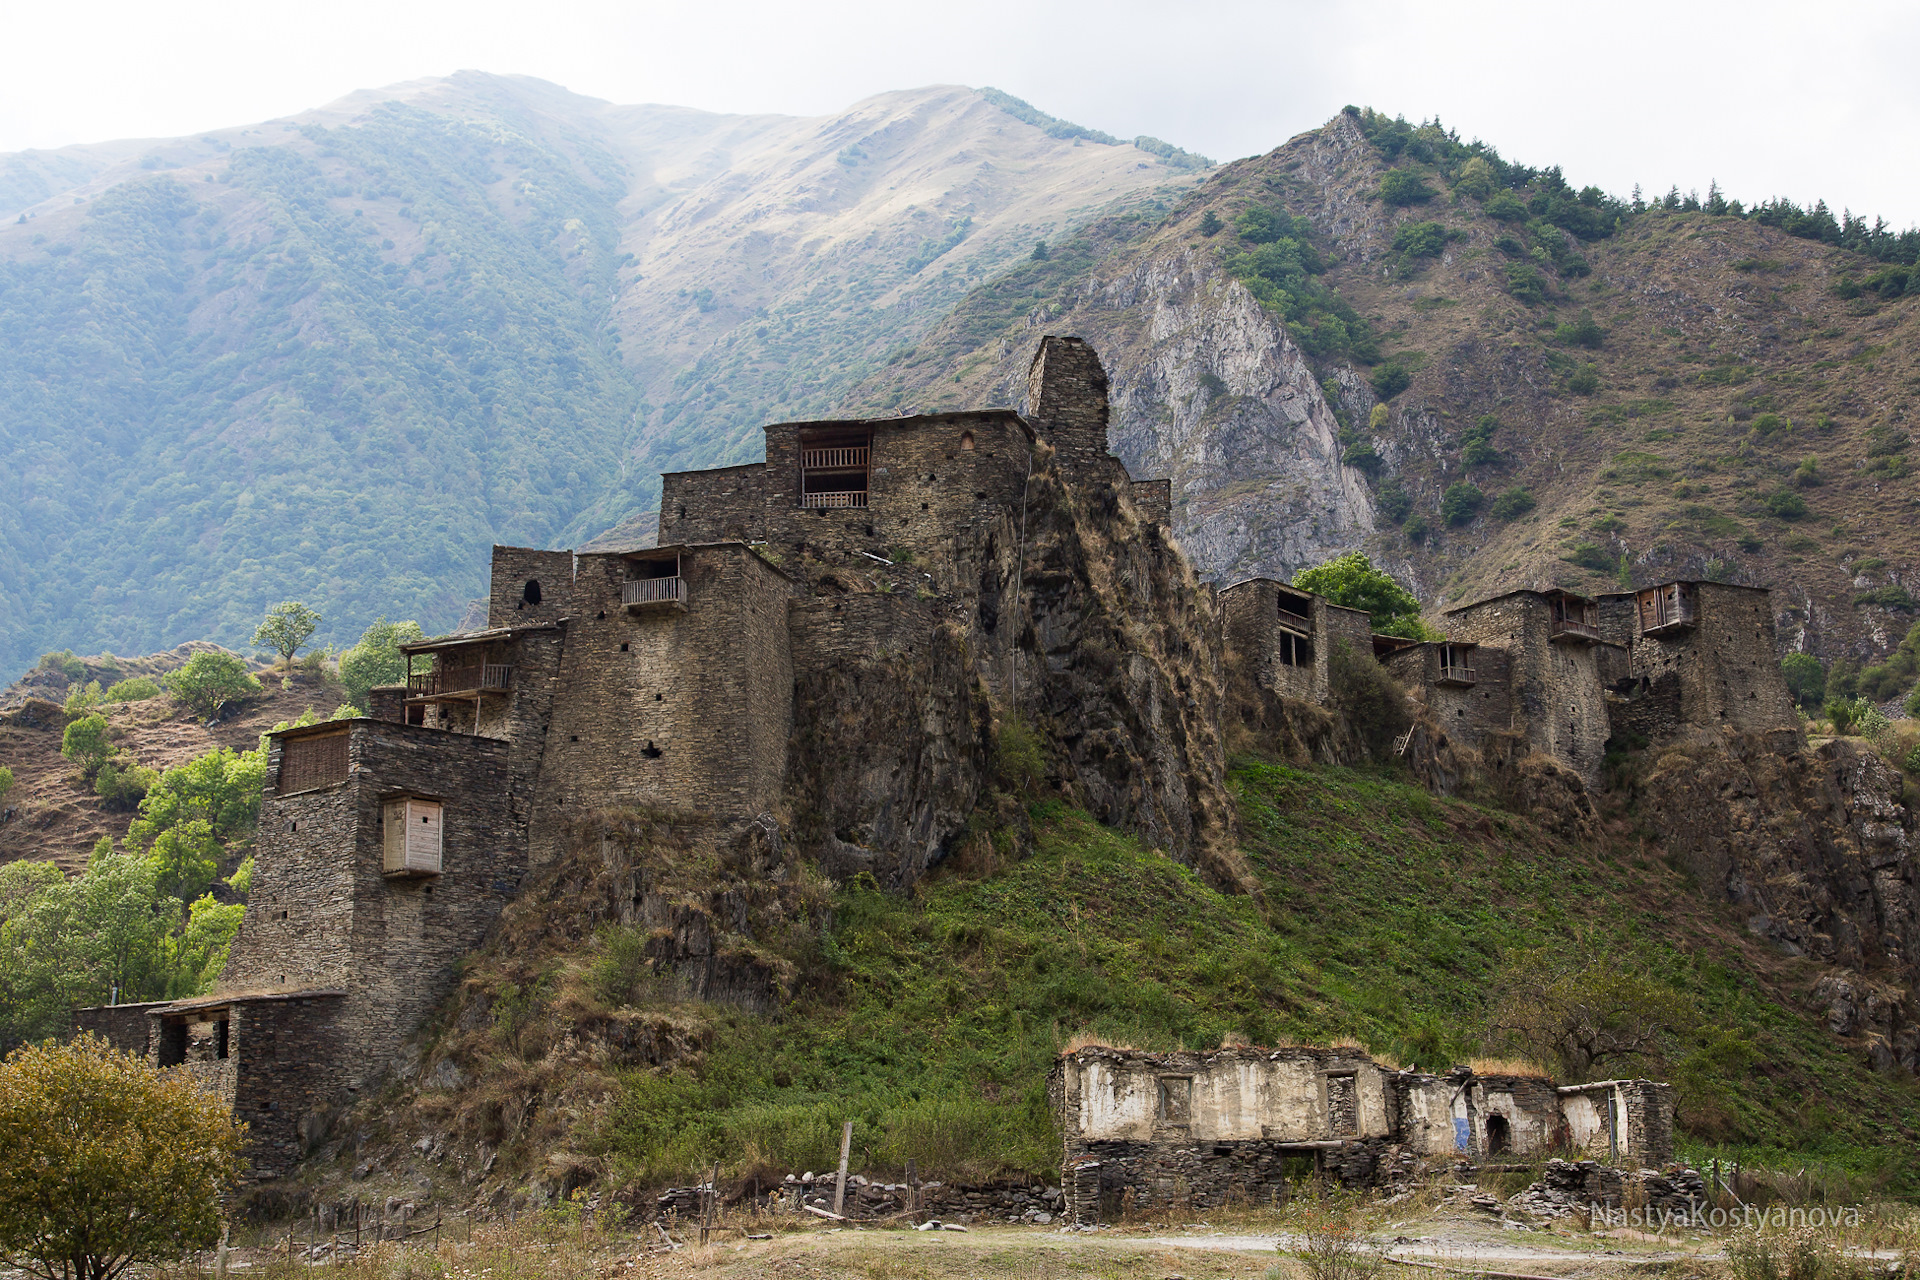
(124, 1026)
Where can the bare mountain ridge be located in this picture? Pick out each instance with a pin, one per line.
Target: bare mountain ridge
(1653, 442)
(330, 356)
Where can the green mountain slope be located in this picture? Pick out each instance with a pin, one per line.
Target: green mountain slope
(336, 357)
(1648, 385)
(932, 1020)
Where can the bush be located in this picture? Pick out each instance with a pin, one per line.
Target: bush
(64, 662)
(1018, 754)
(1416, 529)
(210, 679)
(6, 781)
(83, 698)
(1210, 223)
(1526, 284)
(1366, 696)
(1512, 504)
(1403, 187)
(1475, 179)
(1389, 380)
(1476, 443)
(1806, 679)
(1352, 582)
(110, 1163)
(1584, 332)
(88, 743)
(1261, 225)
(137, 689)
(1506, 207)
(1584, 381)
(1807, 474)
(1392, 502)
(1590, 556)
(622, 974)
(376, 659)
(1421, 239)
(1785, 504)
(123, 782)
(1461, 502)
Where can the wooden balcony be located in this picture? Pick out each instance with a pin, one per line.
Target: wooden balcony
(1296, 621)
(1460, 677)
(460, 684)
(1670, 608)
(1574, 630)
(834, 459)
(640, 593)
(852, 498)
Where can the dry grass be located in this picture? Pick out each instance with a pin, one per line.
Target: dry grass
(1509, 1067)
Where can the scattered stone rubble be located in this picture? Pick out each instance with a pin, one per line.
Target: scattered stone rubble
(868, 1200)
(1569, 1187)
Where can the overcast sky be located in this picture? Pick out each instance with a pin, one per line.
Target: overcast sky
(1771, 98)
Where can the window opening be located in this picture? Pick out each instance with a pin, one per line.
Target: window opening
(966, 440)
(1295, 651)
(530, 594)
(173, 1043)
(834, 468)
(306, 763)
(1176, 1099)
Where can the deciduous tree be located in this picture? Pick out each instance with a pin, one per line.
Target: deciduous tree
(1352, 581)
(1582, 1008)
(286, 629)
(106, 1163)
(210, 679)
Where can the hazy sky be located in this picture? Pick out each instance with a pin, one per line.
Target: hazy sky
(1770, 98)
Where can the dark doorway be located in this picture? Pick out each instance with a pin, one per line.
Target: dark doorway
(1499, 1135)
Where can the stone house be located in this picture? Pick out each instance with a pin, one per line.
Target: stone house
(1701, 657)
(1281, 637)
(1145, 1131)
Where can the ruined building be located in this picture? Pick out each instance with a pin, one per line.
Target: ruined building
(818, 660)
(1146, 1131)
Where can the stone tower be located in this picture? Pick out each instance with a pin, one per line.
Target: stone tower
(1067, 404)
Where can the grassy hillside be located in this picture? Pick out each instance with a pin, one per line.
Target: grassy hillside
(931, 1020)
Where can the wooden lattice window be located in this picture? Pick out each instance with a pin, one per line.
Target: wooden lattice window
(306, 763)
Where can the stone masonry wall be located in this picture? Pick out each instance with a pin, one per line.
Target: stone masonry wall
(323, 915)
(1556, 699)
(681, 708)
(1249, 616)
(727, 504)
(1067, 403)
(514, 569)
(124, 1026)
(1721, 674)
(289, 1076)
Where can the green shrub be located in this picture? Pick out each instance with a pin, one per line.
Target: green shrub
(1390, 379)
(1352, 582)
(1893, 467)
(63, 661)
(1421, 239)
(83, 698)
(1366, 696)
(1512, 503)
(1589, 555)
(1210, 223)
(1785, 504)
(1416, 529)
(1360, 454)
(1842, 711)
(1806, 679)
(1403, 187)
(1526, 284)
(123, 782)
(6, 781)
(1262, 225)
(376, 658)
(1392, 502)
(1475, 179)
(210, 679)
(137, 689)
(1807, 474)
(1584, 332)
(622, 973)
(1461, 502)
(1506, 207)
(1584, 381)
(1017, 752)
(88, 743)
(1476, 443)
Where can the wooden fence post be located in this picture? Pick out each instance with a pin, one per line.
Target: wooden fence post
(840, 1181)
(713, 1199)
